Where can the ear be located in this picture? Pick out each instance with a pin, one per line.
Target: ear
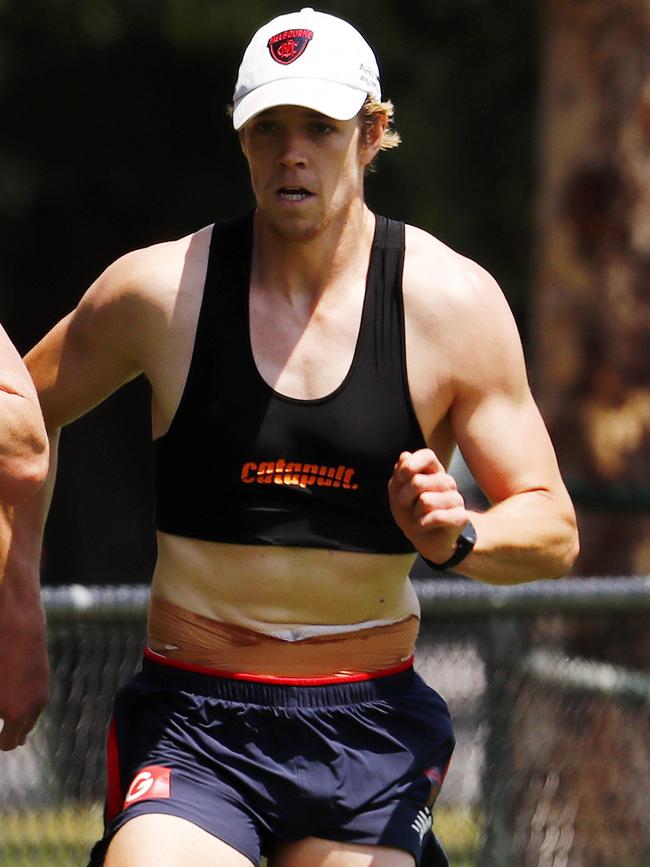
(372, 131)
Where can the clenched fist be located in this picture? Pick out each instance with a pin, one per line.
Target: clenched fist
(426, 504)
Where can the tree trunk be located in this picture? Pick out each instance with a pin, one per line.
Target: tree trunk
(591, 319)
(591, 376)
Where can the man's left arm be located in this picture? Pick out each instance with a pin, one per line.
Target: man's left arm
(529, 531)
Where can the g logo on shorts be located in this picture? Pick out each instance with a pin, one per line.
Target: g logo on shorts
(151, 782)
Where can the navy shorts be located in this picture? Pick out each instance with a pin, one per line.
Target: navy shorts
(254, 763)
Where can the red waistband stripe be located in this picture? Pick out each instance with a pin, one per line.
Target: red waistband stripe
(320, 680)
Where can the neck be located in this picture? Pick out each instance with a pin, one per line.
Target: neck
(308, 266)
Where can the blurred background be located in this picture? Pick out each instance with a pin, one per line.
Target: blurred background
(526, 146)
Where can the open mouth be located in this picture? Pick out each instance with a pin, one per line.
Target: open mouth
(294, 194)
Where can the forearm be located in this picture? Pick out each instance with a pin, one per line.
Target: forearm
(21, 534)
(527, 537)
(23, 653)
(21, 616)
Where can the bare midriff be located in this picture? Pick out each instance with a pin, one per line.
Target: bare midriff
(292, 612)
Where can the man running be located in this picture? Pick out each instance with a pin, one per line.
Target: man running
(313, 366)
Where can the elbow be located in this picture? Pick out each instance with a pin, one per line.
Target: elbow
(574, 550)
(24, 475)
(21, 485)
(567, 547)
(36, 459)
(38, 467)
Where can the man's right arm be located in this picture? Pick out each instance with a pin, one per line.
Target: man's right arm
(87, 356)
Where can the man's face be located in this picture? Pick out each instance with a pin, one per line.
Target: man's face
(306, 169)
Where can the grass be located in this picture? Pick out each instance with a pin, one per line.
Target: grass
(461, 831)
(50, 837)
(63, 837)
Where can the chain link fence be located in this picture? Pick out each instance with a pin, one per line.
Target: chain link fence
(548, 684)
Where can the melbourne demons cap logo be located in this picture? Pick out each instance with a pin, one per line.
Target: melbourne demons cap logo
(287, 46)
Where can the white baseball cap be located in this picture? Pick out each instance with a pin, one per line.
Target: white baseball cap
(310, 59)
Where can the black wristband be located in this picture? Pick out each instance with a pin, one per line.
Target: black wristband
(464, 544)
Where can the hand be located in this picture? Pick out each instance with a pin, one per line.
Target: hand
(426, 504)
(24, 666)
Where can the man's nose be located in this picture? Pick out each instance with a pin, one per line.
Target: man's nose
(292, 150)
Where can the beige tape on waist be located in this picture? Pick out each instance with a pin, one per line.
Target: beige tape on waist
(184, 636)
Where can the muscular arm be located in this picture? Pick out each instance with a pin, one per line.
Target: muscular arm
(86, 357)
(23, 443)
(71, 377)
(529, 531)
(23, 467)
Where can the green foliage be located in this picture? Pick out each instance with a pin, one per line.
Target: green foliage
(62, 837)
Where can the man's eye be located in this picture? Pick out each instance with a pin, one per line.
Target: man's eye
(322, 128)
(264, 126)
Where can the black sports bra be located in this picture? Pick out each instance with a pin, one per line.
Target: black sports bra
(244, 464)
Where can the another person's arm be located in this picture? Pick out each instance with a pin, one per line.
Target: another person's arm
(23, 442)
(80, 362)
(23, 468)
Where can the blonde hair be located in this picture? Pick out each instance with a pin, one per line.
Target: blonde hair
(390, 138)
(369, 112)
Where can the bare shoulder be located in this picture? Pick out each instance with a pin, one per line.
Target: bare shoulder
(142, 304)
(443, 282)
(455, 305)
(139, 316)
(152, 277)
